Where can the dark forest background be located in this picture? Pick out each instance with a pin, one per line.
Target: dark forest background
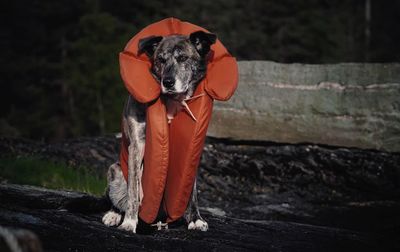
(59, 59)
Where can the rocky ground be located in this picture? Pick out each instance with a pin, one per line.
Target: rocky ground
(254, 195)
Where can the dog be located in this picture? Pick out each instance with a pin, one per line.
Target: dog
(179, 63)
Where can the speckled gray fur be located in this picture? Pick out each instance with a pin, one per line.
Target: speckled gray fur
(178, 58)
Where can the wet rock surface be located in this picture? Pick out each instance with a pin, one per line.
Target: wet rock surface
(255, 196)
(66, 221)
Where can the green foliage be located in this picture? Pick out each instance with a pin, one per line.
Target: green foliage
(59, 59)
(38, 172)
(91, 74)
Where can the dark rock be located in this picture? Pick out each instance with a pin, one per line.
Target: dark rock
(61, 229)
(255, 196)
(12, 240)
(97, 153)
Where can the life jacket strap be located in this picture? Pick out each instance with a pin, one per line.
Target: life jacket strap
(160, 225)
(185, 105)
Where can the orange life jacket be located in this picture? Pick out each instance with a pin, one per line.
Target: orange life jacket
(172, 151)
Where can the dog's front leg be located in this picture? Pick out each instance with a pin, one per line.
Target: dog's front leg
(134, 163)
(192, 213)
(134, 125)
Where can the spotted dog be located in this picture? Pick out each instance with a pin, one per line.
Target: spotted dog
(179, 63)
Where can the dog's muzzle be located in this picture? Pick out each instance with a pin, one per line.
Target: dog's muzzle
(173, 86)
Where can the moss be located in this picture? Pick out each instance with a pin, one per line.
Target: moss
(45, 173)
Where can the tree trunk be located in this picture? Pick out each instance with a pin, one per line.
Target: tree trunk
(100, 108)
(367, 28)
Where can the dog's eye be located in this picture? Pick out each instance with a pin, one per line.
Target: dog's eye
(161, 59)
(182, 58)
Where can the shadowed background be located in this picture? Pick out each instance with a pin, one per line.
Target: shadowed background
(59, 59)
(62, 98)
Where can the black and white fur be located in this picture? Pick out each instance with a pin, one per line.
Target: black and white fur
(179, 63)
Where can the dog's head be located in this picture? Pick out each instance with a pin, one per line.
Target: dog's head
(178, 62)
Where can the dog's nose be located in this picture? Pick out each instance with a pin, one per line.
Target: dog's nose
(168, 82)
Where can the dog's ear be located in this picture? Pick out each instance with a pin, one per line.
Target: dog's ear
(149, 44)
(202, 41)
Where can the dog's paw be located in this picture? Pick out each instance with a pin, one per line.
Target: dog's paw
(198, 225)
(111, 218)
(129, 225)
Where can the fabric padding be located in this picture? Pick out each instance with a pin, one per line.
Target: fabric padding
(172, 151)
